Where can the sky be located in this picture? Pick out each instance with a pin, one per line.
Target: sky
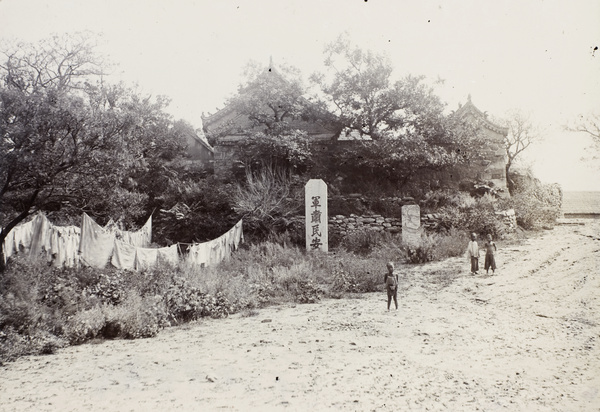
(534, 55)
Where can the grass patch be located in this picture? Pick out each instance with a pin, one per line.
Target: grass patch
(44, 308)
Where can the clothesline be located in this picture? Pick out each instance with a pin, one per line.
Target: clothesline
(96, 246)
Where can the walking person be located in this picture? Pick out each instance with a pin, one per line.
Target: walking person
(391, 285)
(473, 254)
(490, 259)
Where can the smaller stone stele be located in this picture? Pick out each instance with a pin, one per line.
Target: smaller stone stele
(411, 224)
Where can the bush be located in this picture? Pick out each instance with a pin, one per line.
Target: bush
(185, 302)
(340, 205)
(422, 252)
(268, 200)
(84, 325)
(136, 317)
(472, 215)
(437, 246)
(349, 274)
(14, 345)
(537, 206)
(362, 242)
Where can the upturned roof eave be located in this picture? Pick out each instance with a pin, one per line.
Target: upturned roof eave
(469, 107)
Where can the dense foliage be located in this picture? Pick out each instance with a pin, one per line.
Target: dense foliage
(72, 143)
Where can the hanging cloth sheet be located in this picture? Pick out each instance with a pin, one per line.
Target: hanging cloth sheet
(168, 255)
(41, 238)
(99, 245)
(215, 251)
(96, 244)
(19, 236)
(123, 255)
(140, 238)
(64, 245)
(145, 258)
(8, 246)
(58, 244)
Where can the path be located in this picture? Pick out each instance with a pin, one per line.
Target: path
(525, 339)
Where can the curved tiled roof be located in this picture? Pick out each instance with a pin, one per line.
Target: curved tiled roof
(470, 108)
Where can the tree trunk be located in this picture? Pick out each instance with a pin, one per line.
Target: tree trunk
(510, 184)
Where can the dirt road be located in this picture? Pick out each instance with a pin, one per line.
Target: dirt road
(525, 339)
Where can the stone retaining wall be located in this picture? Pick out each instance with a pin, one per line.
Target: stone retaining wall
(344, 225)
(348, 224)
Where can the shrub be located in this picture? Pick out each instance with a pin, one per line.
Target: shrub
(23, 314)
(349, 274)
(185, 302)
(436, 246)
(136, 317)
(452, 243)
(537, 206)
(109, 287)
(84, 325)
(197, 209)
(422, 252)
(14, 345)
(298, 282)
(475, 215)
(339, 205)
(268, 201)
(363, 242)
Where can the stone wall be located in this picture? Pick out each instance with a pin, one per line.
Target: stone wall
(430, 221)
(344, 225)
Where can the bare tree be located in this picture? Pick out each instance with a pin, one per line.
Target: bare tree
(590, 125)
(521, 133)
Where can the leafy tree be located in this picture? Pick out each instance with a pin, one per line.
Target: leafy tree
(58, 62)
(290, 151)
(270, 97)
(358, 87)
(404, 119)
(68, 142)
(393, 163)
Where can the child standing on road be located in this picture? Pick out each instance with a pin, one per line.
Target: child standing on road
(391, 285)
(473, 254)
(490, 260)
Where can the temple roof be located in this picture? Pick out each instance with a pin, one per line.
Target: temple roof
(470, 108)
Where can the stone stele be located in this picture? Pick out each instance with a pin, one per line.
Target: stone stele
(411, 224)
(315, 201)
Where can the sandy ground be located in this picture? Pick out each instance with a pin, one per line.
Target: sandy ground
(525, 339)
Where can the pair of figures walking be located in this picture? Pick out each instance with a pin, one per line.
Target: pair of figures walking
(473, 254)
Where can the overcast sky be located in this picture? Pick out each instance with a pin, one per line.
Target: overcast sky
(534, 55)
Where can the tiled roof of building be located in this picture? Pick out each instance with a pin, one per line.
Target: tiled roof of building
(470, 108)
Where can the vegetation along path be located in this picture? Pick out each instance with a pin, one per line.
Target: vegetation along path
(525, 339)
